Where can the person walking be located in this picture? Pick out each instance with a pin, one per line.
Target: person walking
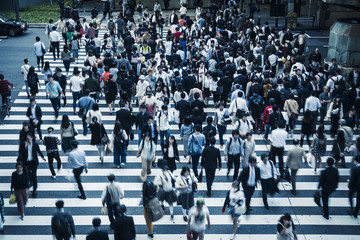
(329, 180)
(185, 131)
(111, 196)
(146, 152)
(34, 113)
(33, 82)
(306, 127)
(313, 104)
(111, 93)
(85, 104)
(67, 133)
(335, 113)
(28, 155)
(148, 193)
(293, 162)
(20, 183)
(249, 178)
(338, 149)
(267, 178)
(196, 224)
(141, 119)
(210, 160)
(184, 185)
(54, 37)
(77, 161)
(196, 143)
(97, 233)
(171, 153)
(119, 145)
(124, 117)
(291, 107)
(124, 227)
(163, 124)
(25, 71)
(39, 51)
(61, 79)
(219, 122)
(98, 133)
(318, 146)
(249, 149)
(62, 223)
(76, 83)
(278, 141)
(2, 214)
(233, 150)
(54, 91)
(66, 58)
(286, 228)
(51, 142)
(354, 186)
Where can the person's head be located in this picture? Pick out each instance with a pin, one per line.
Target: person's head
(164, 108)
(150, 120)
(185, 171)
(96, 222)
(252, 161)
(74, 144)
(37, 38)
(50, 78)
(272, 101)
(330, 161)
(111, 177)
(26, 126)
(26, 61)
(197, 95)
(143, 108)
(50, 130)
(320, 131)
(200, 203)
(240, 94)
(197, 128)
(32, 101)
(248, 136)
(221, 106)
(264, 157)
(296, 141)
(59, 204)
(235, 134)
(286, 219)
(212, 140)
(147, 136)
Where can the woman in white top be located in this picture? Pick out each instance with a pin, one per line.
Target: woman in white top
(177, 94)
(197, 217)
(206, 84)
(93, 112)
(214, 89)
(236, 199)
(249, 149)
(146, 152)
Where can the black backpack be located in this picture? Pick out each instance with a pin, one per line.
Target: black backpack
(279, 120)
(209, 132)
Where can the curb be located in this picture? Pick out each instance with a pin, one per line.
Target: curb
(37, 25)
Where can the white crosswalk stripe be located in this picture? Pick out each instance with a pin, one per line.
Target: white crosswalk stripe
(261, 224)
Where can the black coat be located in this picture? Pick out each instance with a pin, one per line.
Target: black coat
(354, 178)
(141, 119)
(70, 230)
(211, 158)
(97, 132)
(189, 82)
(166, 153)
(38, 113)
(197, 103)
(183, 107)
(329, 179)
(98, 235)
(147, 128)
(23, 152)
(124, 228)
(244, 176)
(124, 117)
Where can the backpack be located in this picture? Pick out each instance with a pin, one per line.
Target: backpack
(255, 104)
(61, 224)
(154, 210)
(208, 132)
(279, 120)
(94, 23)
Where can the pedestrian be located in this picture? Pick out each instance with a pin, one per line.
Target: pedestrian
(209, 130)
(98, 134)
(54, 91)
(67, 133)
(51, 142)
(196, 143)
(184, 185)
(55, 41)
(76, 83)
(151, 128)
(163, 119)
(196, 225)
(97, 233)
(313, 104)
(33, 82)
(39, 51)
(171, 153)
(124, 227)
(141, 119)
(2, 214)
(77, 161)
(354, 186)
(25, 71)
(293, 162)
(249, 178)
(20, 184)
(318, 146)
(66, 58)
(233, 150)
(249, 149)
(28, 155)
(26, 130)
(265, 118)
(335, 113)
(119, 145)
(325, 100)
(85, 104)
(111, 93)
(148, 193)
(61, 79)
(111, 196)
(291, 107)
(185, 131)
(243, 125)
(166, 183)
(124, 117)
(338, 149)
(210, 159)
(146, 152)
(62, 223)
(75, 46)
(329, 180)
(307, 129)
(286, 228)
(354, 150)
(278, 141)
(219, 122)
(268, 178)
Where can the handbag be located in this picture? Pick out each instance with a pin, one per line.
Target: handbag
(103, 210)
(194, 187)
(82, 111)
(72, 59)
(317, 197)
(240, 208)
(227, 119)
(75, 132)
(12, 199)
(104, 139)
(293, 116)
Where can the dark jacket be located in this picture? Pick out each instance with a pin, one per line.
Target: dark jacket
(23, 153)
(211, 158)
(149, 191)
(124, 116)
(354, 179)
(124, 228)
(97, 132)
(70, 228)
(183, 107)
(147, 128)
(141, 119)
(197, 103)
(166, 153)
(244, 176)
(98, 234)
(92, 84)
(329, 179)
(38, 113)
(189, 82)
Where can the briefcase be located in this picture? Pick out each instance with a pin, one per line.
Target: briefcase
(317, 198)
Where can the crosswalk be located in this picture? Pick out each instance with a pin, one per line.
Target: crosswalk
(261, 224)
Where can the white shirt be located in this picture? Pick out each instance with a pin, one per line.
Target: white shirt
(243, 126)
(25, 70)
(163, 120)
(33, 114)
(251, 180)
(29, 150)
(278, 137)
(76, 83)
(236, 104)
(141, 88)
(54, 36)
(312, 103)
(265, 170)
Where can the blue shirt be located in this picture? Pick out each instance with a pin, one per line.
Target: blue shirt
(84, 102)
(196, 143)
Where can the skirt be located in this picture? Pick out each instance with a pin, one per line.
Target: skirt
(169, 197)
(66, 143)
(171, 164)
(318, 152)
(186, 200)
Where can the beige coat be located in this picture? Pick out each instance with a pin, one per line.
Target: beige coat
(295, 155)
(291, 106)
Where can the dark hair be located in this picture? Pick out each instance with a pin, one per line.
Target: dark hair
(330, 161)
(212, 140)
(340, 138)
(187, 121)
(320, 132)
(235, 132)
(74, 144)
(252, 159)
(59, 204)
(96, 222)
(184, 169)
(117, 127)
(198, 127)
(209, 120)
(65, 122)
(111, 177)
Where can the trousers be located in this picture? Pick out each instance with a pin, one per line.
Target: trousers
(248, 192)
(234, 159)
(278, 151)
(51, 157)
(77, 172)
(210, 176)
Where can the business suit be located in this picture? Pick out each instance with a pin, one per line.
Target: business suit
(98, 234)
(147, 128)
(124, 228)
(329, 179)
(248, 189)
(183, 107)
(60, 234)
(210, 159)
(38, 115)
(124, 117)
(354, 178)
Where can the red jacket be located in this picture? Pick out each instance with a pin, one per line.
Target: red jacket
(267, 111)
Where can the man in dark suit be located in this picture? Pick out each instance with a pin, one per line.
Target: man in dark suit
(210, 159)
(183, 107)
(329, 179)
(151, 128)
(34, 113)
(124, 117)
(189, 81)
(138, 66)
(197, 103)
(249, 178)
(62, 223)
(28, 154)
(124, 227)
(354, 186)
(174, 18)
(97, 233)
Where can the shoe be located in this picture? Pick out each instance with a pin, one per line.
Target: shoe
(293, 192)
(117, 166)
(122, 165)
(172, 217)
(34, 194)
(110, 113)
(163, 207)
(267, 207)
(150, 235)
(81, 197)
(227, 173)
(326, 217)
(208, 194)
(247, 212)
(355, 214)
(53, 177)
(185, 218)
(233, 237)
(221, 146)
(314, 171)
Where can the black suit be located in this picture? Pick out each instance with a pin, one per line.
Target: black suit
(38, 115)
(124, 117)
(210, 159)
(183, 107)
(124, 228)
(147, 128)
(354, 178)
(197, 103)
(249, 190)
(60, 234)
(329, 179)
(189, 82)
(98, 234)
(137, 68)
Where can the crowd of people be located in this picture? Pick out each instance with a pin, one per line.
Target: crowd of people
(256, 78)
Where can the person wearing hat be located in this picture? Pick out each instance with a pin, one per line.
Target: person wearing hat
(76, 83)
(111, 196)
(197, 217)
(267, 177)
(51, 142)
(85, 102)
